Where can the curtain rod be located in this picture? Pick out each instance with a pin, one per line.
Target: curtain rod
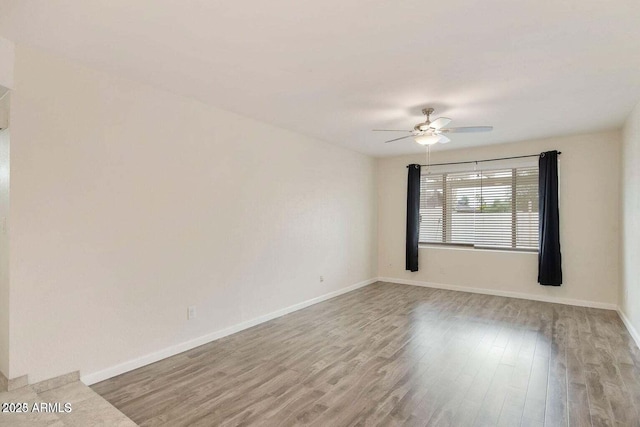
(486, 160)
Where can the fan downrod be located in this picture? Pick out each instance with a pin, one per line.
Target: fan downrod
(420, 127)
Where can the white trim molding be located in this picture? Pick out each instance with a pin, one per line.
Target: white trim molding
(632, 331)
(95, 377)
(509, 294)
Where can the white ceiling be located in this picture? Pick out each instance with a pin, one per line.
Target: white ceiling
(335, 69)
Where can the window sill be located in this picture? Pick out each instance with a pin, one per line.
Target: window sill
(472, 248)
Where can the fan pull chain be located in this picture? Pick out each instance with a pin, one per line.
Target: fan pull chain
(428, 158)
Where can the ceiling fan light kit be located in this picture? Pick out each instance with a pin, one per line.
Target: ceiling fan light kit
(431, 132)
(427, 139)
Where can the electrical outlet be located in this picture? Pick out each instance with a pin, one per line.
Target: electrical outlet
(322, 278)
(191, 312)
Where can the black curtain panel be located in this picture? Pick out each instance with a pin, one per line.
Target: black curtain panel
(549, 257)
(413, 216)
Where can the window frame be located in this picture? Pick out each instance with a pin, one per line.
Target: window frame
(447, 213)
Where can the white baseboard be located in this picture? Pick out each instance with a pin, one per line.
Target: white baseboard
(130, 365)
(632, 331)
(520, 295)
(13, 383)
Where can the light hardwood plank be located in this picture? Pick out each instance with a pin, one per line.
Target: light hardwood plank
(387, 355)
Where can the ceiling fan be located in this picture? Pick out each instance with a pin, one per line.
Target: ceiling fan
(432, 132)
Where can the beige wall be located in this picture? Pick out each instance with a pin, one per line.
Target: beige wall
(630, 290)
(130, 204)
(6, 63)
(4, 252)
(589, 209)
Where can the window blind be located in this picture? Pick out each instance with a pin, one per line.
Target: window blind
(491, 208)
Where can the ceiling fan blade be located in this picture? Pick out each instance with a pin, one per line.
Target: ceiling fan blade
(390, 130)
(397, 139)
(443, 139)
(468, 129)
(439, 123)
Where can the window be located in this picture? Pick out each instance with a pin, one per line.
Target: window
(485, 209)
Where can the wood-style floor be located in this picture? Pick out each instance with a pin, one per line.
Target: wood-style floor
(400, 355)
